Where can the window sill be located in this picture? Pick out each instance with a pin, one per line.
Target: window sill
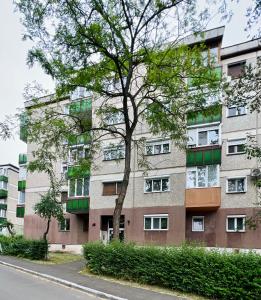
(237, 153)
(235, 231)
(155, 192)
(155, 230)
(198, 230)
(64, 230)
(237, 192)
(114, 159)
(237, 116)
(156, 154)
(203, 187)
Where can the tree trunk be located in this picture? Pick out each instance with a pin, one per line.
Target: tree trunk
(10, 230)
(47, 230)
(123, 191)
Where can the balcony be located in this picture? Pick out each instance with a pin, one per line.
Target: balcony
(203, 156)
(80, 106)
(210, 115)
(77, 172)
(215, 74)
(21, 185)
(3, 194)
(22, 159)
(20, 211)
(203, 199)
(23, 127)
(78, 206)
(3, 206)
(3, 178)
(2, 220)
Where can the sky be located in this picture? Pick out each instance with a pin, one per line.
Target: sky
(15, 74)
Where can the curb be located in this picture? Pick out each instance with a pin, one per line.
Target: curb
(65, 282)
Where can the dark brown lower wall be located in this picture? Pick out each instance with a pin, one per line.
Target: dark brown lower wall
(34, 228)
(134, 225)
(215, 234)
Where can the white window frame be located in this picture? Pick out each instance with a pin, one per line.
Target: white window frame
(2, 213)
(155, 216)
(201, 187)
(3, 185)
(75, 188)
(156, 178)
(120, 150)
(20, 201)
(157, 143)
(77, 149)
(236, 177)
(65, 230)
(235, 222)
(235, 142)
(237, 115)
(192, 225)
(201, 129)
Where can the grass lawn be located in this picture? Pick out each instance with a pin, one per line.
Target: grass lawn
(58, 257)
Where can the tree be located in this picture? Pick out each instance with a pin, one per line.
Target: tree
(246, 91)
(130, 56)
(8, 225)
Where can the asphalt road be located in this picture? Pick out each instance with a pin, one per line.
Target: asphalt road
(15, 285)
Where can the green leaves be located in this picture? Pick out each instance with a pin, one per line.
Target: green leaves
(188, 269)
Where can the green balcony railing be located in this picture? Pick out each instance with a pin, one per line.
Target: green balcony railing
(21, 185)
(203, 157)
(20, 211)
(77, 206)
(77, 172)
(209, 115)
(3, 178)
(3, 194)
(3, 206)
(2, 220)
(22, 159)
(215, 74)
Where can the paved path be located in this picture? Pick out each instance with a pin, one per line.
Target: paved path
(15, 285)
(69, 272)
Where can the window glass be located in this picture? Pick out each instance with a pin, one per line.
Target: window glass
(231, 223)
(86, 186)
(231, 185)
(157, 149)
(156, 185)
(147, 223)
(164, 223)
(202, 138)
(240, 224)
(241, 148)
(148, 185)
(236, 185)
(213, 137)
(214, 54)
(232, 111)
(231, 149)
(149, 150)
(241, 185)
(165, 148)
(79, 184)
(198, 224)
(165, 184)
(191, 179)
(72, 187)
(201, 176)
(212, 175)
(156, 222)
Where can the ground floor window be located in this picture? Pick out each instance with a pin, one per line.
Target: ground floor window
(156, 222)
(2, 213)
(197, 223)
(64, 225)
(236, 223)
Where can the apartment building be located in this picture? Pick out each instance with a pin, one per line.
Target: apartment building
(203, 194)
(9, 197)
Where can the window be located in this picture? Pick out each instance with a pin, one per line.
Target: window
(156, 185)
(111, 188)
(114, 118)
(206, 136)
(21, 198)
(79, 187)
(201, 177)
(197, 223)
(3, 185)
(22, 173)
(236, 146)
(236, 185)
(2, 213)
(64, 225)
(156, 222)
(76, 154)
(210, 56)
(158, 147)
(236, 223)
(236, 70)
(113, 153)
(234, 111)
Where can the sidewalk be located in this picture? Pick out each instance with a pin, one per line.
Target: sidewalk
(69, 272)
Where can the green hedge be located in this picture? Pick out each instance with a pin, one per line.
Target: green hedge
(188, 269)
(18, 246)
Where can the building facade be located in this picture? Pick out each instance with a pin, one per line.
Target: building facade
(9, 197)
(203, 194)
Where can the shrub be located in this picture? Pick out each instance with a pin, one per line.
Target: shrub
(188, 269)
(18, 246)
